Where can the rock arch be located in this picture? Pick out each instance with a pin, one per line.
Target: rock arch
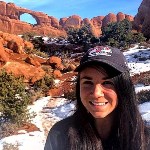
(48, 25)
(14, 12)
(40, 17)
(36, 19)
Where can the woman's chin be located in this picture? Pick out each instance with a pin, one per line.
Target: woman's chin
(99, 115)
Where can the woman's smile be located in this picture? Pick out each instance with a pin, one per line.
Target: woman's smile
(98, 103)
(98, 106)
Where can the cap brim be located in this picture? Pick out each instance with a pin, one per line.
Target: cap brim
(101, 63)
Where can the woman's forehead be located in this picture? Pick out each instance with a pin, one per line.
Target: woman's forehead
(105, 69)
(90, 68)
(90, 72)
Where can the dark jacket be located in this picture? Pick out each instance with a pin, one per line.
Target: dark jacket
(58, 136)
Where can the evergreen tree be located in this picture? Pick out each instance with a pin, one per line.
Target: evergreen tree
(81, 36)
(119, 34)
(13, 99)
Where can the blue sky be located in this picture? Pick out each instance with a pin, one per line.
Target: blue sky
(83, 8)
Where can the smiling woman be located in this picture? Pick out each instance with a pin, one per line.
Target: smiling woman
(107, 116)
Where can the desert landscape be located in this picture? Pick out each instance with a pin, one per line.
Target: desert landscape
(37, 64)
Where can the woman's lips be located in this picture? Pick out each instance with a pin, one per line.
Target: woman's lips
(98, 103)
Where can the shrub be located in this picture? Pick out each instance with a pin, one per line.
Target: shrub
(41, 54)
(143, 96)
(142, 78)
(7, 129)
(38, 42)
(9, 146)
(13, 98)
(37, 52)
(28, 36)
(44, 84)
(47, 69)
(70, 95)
(145, 44)
(81, 36)
(138, 37)
(35, 95)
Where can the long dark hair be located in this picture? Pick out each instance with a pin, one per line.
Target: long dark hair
(130, 130)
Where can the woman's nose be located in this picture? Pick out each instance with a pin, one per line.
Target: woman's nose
(98, 91)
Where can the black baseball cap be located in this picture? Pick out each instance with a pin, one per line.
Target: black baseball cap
(110, 56)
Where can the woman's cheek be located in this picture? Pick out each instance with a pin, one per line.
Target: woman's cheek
(84, 92)
(111, 94)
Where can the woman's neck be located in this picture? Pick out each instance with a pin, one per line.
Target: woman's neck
(104, 125)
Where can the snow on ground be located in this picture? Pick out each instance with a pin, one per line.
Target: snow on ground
(139, 88)
(28, 141)
(138, 60)
(145, 111)
(45, 115)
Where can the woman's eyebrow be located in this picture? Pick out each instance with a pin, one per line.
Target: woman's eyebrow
(86, 77)
(106, 78)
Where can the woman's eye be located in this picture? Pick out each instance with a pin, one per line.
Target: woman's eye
(88, 82)
(107, 83)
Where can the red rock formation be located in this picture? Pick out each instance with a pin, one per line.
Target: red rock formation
(10, 21)
(15, 43)
(14, 59)
(31, 60)
(120, 16)
(30, 72)
(54, 61)
(62, 21)
(57, 74)
(3, 55)
(109, 18)
(48, 25)
(97, 21)
(85, 21)
(54, 22)
(142, 19)
(129, 17)
(96, 30)
(73, 21)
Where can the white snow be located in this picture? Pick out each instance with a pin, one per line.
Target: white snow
(36, 140)
(138, 59)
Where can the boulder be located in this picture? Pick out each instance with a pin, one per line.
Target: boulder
(4, 57)
(54, 61)
(57, 74)
(32, 61)
(29, 72)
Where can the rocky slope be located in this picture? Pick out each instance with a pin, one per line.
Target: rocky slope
(15, 59)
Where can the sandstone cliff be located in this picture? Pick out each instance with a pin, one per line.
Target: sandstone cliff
(48, 25)
(142, 19)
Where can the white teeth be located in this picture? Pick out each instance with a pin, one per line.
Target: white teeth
(98, 103)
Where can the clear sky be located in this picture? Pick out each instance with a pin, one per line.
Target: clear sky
(83, 8)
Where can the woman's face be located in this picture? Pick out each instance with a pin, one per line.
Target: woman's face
(97, 92)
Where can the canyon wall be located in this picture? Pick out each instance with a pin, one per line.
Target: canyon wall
(142, 19)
